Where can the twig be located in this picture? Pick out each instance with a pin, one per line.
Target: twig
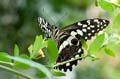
(7, 63)
(70, 60)
(15, 72)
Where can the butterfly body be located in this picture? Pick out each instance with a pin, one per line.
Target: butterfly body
(68, 39)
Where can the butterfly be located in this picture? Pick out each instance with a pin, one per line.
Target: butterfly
(68, 39)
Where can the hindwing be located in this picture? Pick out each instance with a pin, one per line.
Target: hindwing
(69, 48)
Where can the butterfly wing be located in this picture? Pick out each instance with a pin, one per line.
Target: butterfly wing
(67, 39)
(69, 48)
(86, 29)
(69, 44)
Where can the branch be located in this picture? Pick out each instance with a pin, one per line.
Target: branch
(7, 63)
(62, 63)
(15, 72)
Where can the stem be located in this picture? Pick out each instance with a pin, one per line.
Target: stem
(7, 63)
(83, 57)
(17, 76)
(15, 72)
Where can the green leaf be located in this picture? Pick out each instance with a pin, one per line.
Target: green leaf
(30, 49)
(16, 50)
(52, 51)
(116, 22)
(22, 65)
(109, 52)
(57, 73)
(96, 44)
(3, 57)
(84, 43)
(106, 5)
(33, 64)
(40, 74)
(38, 44)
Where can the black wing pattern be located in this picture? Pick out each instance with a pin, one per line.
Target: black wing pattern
(68, 38)
(69, 48)
(86, 29)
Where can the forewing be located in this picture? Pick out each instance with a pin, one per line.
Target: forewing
(86, 28)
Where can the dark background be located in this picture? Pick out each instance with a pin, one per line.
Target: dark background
(18, 25)
(18, 18)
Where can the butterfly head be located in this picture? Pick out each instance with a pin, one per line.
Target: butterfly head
(45, 27)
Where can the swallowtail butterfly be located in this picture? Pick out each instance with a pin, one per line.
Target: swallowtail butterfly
(68, 38)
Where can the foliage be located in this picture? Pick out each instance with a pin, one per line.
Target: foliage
(106, 42)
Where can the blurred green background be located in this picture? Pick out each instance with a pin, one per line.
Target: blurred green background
(18, 24)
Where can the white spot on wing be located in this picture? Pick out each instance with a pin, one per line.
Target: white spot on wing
(84, 25)
(73, 66)
(97, 29)
(104, 21)
(98, 25)
(96, 20)
(76, 56)
(92, 26)
(84, 30)
(79, 50)
(69, 40)
(73, 33)
(79, 24)
(62, 70)
(85, 37)
(80, 32)
(105, 24)
(88, 28)
(68, 64)
(65, 43)
(101, 27)
(93, 31)
(40, 20)
(60, 48)
(88, 21)
(89, 34)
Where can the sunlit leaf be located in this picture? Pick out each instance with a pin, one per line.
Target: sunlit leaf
(38, 45)
(106, 5)
(3, 57)
(109, 52)
(57, 73)
(84, 43)
(40, 74)
(96, 44)
(116, 22)
(30, 49)
(52, 51)
(16, 50)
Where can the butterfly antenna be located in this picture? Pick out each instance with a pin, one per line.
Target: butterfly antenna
(48, 15)
(61, 17)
